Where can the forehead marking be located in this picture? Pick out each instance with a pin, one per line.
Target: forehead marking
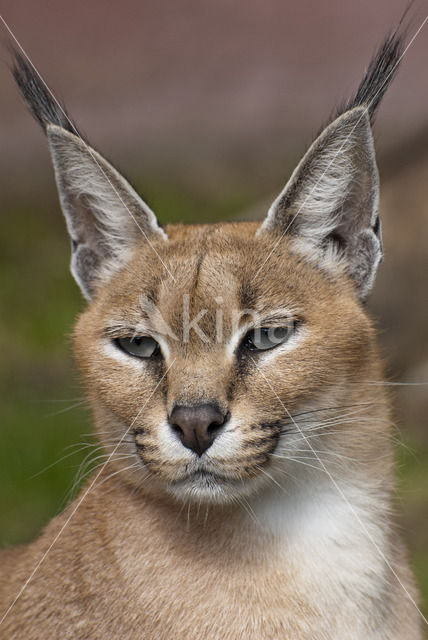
(201, 255)
(197, 270)
(247, 296)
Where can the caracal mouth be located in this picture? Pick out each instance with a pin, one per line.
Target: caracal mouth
(210, 486)
(204, 477)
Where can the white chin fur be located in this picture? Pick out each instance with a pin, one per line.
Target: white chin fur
(209, 490)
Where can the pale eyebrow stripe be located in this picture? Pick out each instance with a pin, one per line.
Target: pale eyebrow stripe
(140, 328)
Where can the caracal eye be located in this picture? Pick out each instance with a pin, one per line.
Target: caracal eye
(264, 338)
(140, 346)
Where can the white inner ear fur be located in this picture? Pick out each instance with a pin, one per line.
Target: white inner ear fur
(111, 199)
(323, 179)
(333, 194)
(105, 217)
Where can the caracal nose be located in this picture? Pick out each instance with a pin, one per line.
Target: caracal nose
(197, 426)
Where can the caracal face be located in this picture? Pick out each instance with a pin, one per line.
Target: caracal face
(222, 359)
(219, 277)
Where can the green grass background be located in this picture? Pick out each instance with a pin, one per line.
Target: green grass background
(43, 414)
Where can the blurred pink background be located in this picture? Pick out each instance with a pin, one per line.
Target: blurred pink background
(204, 91)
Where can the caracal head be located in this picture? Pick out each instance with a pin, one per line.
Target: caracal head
(224, 359)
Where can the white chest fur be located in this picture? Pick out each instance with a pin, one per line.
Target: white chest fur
(332, 545)
(307, 565)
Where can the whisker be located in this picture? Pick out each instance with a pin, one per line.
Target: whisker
(136, 465)
(242, 502)
(310, 450)
(87, 467)
(188, 516)
(269, 476)
(53, 464)
(59, 400)
(334, 408)
(306, 464)
(338, 421)
(65, 409)
(206, 515)
(391, 383)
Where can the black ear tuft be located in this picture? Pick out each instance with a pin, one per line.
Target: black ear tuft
(379, 75)
(42, 104)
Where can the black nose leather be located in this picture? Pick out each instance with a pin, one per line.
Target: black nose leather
(197, 426)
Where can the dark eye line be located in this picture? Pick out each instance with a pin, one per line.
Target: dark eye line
(246, 343)
(290, 324)
(137, 339)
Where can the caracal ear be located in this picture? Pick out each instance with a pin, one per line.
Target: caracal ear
(330, 204)
(105, 217)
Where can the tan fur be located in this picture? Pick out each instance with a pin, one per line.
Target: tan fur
(279, 550)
